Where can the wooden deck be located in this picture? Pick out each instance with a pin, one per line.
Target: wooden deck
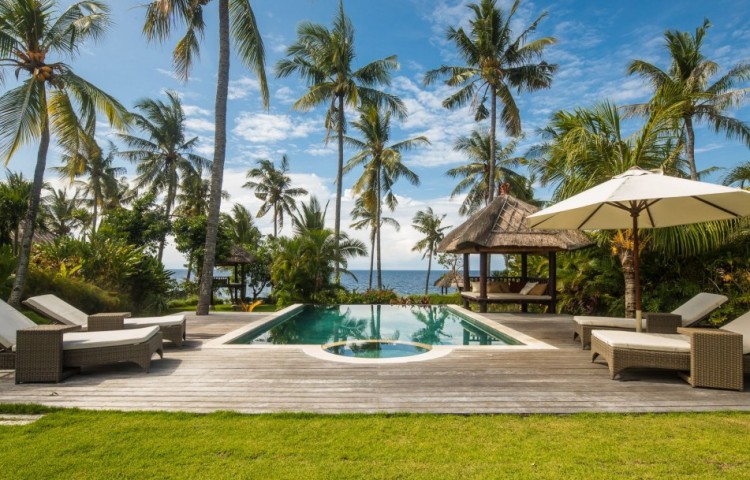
(286, 379)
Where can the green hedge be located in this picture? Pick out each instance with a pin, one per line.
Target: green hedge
(79, 293)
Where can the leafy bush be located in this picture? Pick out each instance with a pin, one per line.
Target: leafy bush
(76, 291)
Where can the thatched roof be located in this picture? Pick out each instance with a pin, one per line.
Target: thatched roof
(449, 279)
(501, 227)
(237, 256)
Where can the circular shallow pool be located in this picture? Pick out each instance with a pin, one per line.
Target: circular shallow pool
(376, 348)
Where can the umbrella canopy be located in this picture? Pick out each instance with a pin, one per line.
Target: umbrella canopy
(642, 199)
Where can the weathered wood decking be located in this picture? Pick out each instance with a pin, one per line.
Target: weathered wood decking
(465, 381)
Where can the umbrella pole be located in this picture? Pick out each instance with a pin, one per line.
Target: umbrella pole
(636, 271)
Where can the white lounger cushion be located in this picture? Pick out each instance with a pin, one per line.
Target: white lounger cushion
(691, 311)
(11, 321)
(65, 313)
(132, 336)
(658, 342)
(741, 325)
(167, 321)
(507, 296)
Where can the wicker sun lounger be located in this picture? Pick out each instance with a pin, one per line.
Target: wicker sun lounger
(687, 314)
(711, 358)
(172, 327)
(49, 353)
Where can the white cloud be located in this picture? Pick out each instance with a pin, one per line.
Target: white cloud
(285, 95)
(194, 110)
(269, 128)
(199, 124)
(242, 87)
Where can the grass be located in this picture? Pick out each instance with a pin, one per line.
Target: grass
(83, 444)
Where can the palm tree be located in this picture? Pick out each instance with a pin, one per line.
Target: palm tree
(102, 180)
(62, 211)
(273, 186)
(51, 99)
(242, 229)
(15, 195)
(474, 175)
(364, 216)
(164, 156)
(236, 19)
(686, 86)
(382, 162)
(586, 147)
(739, 175)
(496, 63)
(324, 58)
(429, 224)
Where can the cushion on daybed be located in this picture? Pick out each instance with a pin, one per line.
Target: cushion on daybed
(167, 321)
(741, 325)
(539, 289)
(475, 286)
(132, 336)
(699, 307)
(526, 290)
(497, 287)
(11, 321)
(659, 342)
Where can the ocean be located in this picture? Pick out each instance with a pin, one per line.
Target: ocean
(403, 282)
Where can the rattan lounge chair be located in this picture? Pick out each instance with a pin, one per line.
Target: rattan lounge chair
(687, 314)
(172, 327)
(713, 358)
(49, 353)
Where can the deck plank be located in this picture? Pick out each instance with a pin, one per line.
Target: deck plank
(197, 379)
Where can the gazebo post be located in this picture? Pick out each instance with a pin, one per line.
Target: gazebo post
(483, 282)
(467, 279)
(552, 281)
(524, 277)
(242, 280)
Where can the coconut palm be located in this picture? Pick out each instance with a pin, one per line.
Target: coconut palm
(50, 100)
(236, 20)
(15, 195)
(273, 186)
(164, 155)
(382, 165)
(739, 175)
(241, 227)
(586, 147)
(474, 175)
(324, 59)
(686, 86)
(62, 211)
(364, 216)
(429, 224)
(101, 183)
(495, 64)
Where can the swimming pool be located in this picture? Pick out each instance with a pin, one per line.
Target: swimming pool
(374, 331)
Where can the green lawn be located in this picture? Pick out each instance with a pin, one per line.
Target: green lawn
(79, 444)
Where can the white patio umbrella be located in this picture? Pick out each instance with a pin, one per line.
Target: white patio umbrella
(642, 199)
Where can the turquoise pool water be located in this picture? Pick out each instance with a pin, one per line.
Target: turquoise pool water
(350, 326)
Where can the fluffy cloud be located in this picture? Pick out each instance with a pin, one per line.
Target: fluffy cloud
(242, 87)
(268, 127)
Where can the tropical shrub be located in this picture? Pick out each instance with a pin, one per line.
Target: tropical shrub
(78, 292)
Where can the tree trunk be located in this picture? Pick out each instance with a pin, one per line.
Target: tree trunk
(275, 222)
(19, 283)
(217, 169)
(95, 216)
(628, 273)
(378, 225)
(493, 127)
(189, 268)
(429, 267)
(15, 241)
(339, 181)
(372, 259)
(167, 211)
(691, 147)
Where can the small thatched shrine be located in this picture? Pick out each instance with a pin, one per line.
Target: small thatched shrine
(500, 228)
(238, 258)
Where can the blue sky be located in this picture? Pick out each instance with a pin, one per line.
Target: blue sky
(596, 40)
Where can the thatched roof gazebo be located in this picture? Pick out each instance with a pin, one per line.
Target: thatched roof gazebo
(238, 258)
(500, 228)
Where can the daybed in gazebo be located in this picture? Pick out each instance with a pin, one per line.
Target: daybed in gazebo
(500, 228)
(238, 258)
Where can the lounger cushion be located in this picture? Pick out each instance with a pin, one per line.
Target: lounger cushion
(528, 287)
(658, 342)
(167, 321)
(741, 325)
(11, 320)
(613, 322)
(58, 310)
(699, 307)
(474, 286)
(83, 340)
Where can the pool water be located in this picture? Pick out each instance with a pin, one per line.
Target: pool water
(350, 326)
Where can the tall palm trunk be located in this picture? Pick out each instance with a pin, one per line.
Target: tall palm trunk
(429, 267)
(97, 199)
(217, 169)
(378, 225)
(30, 223)
(493, 127)
(628, 273)
(691, 147)
(372, 258)
(275, 222)
(339, 181)
(171, 192)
